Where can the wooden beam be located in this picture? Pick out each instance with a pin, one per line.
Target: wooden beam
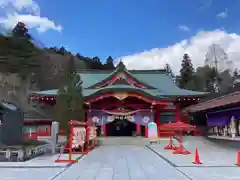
(119, 104)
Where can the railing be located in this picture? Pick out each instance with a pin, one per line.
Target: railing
(25, 154)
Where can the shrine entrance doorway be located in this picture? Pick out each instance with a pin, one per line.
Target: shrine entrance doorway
(121, 127)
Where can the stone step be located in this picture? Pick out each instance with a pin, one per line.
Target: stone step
(118, 141)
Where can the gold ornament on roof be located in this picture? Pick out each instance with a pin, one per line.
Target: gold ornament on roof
(120, 96)
(121, 76)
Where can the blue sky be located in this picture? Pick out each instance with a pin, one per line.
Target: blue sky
(119, 28)
(130, 28)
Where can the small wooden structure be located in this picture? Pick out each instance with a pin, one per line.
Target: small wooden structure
(177, 129)
(81, 140)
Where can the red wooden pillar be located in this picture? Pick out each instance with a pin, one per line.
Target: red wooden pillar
(146, 131)
(138, 129)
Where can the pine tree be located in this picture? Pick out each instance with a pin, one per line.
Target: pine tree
(19, 55)
(62, 51)
(20, 31)
(109, 63)
(186, 72)
(96, 63)
(69, 102)
(169, 72)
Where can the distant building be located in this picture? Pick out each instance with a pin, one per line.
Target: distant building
(36, 124)
(218, 112)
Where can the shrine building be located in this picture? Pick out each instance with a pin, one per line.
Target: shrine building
(122, 102)
(219, 113)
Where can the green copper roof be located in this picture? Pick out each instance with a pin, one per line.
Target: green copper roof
(161, 84)
(111, 88)
(129, 88)
(157, 79)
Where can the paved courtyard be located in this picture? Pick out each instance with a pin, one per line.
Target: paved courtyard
(211, 154)
(121, 163)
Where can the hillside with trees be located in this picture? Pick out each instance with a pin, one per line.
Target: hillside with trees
(26, 65)
(50, 61)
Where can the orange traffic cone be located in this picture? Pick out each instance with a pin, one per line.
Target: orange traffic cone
(238, 158)
(196, 159)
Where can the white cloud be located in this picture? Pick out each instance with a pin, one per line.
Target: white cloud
(27, 11)
(195, 46)
(223, 14)
(184, 28)
(27, 5)
(42, 24)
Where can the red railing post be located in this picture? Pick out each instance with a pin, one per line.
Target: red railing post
(70, 141)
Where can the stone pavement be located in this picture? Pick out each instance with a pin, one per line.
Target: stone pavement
(40, 162)
(29, 173)
(121, 163)
(211, 154)
(211, 173)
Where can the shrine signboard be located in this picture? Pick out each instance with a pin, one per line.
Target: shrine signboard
(79, 137)
(152, 131)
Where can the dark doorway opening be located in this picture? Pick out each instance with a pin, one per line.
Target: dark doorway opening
(143, 130)
(99, 130)
(121, 127)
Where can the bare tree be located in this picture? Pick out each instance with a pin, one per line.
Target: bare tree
(217, 58)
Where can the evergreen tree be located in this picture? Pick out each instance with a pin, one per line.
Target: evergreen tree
(169, 72)
(69, 102)
(186, 72)
(18, 54)
(109, 63)
(62, 51)
(96, 63)
(20, 31)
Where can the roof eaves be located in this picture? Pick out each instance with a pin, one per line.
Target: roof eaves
(130, 89)
(212, 100)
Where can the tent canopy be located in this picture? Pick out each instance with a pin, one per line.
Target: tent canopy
(177, 126)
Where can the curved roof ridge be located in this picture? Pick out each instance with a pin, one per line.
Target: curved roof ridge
(162, 71)
(134, 71)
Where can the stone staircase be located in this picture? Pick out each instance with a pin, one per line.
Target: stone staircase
(121, 141)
